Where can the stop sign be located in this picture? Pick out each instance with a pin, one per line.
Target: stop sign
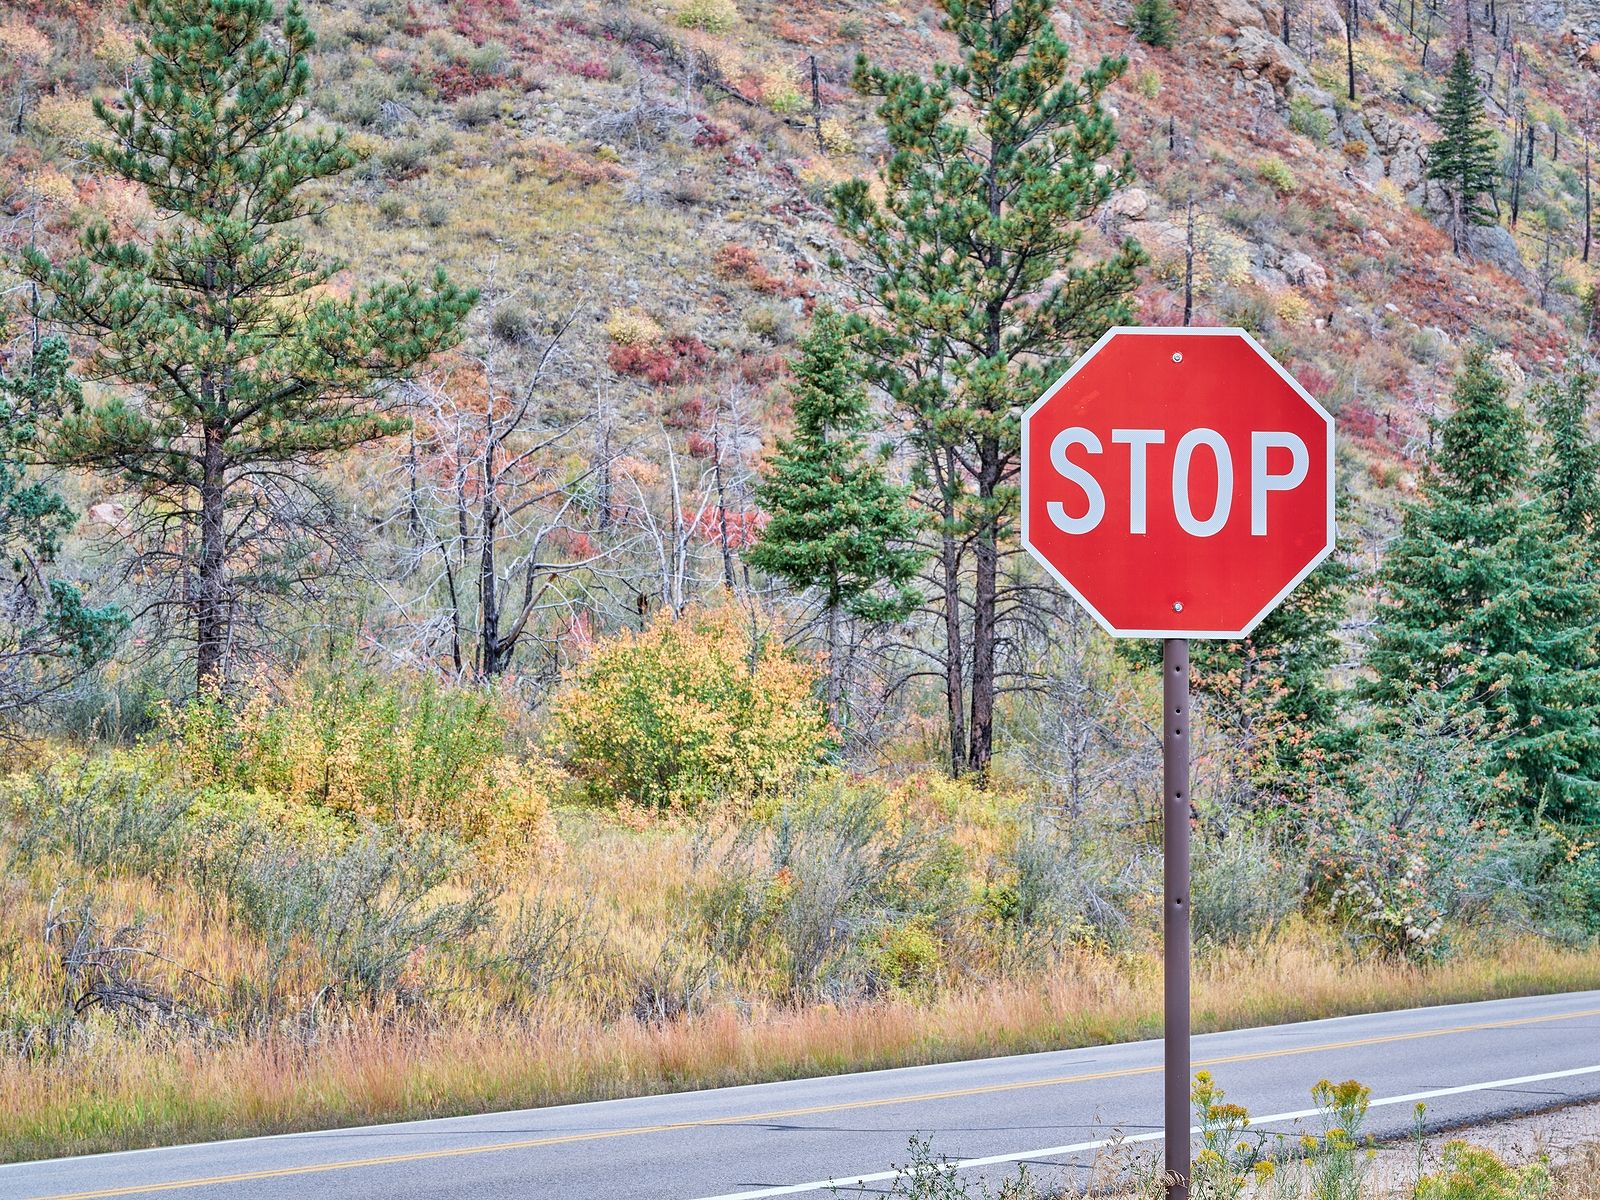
(1178, 482)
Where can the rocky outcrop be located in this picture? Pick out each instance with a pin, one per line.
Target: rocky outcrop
(1404, 153)
(1494, 244)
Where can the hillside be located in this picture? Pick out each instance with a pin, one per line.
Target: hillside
(654, 176)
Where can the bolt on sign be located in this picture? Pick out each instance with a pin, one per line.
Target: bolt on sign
(1179, 483)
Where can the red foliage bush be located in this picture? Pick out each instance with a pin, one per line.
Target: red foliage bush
(458, 79)
(679, 361)
(710, 135)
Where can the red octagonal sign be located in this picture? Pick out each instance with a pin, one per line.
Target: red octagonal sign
(1178, 482)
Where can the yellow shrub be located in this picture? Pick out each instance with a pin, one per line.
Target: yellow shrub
(633, 327)
(405, 750)
(1275, 173)
(687, 711)
(1292, 308)
(836, 137)
(115, 50)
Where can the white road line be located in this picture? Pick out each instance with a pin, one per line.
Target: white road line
(794, 1189)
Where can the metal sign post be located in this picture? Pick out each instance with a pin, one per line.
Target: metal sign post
(1175, 908)
(1192, 457)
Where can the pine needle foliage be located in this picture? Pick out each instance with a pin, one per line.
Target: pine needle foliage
(1486, 601)
(974, 294)
(838, 523)
(1462, 161)
(1155, 23)
(236, 365)
(48, 634)
(1569, 475)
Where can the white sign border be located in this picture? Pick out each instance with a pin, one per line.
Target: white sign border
(1181, 331)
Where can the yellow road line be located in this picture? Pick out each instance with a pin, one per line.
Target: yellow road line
(790, 1113)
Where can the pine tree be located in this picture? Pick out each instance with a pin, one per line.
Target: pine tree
(1462, 161)
(241, 370)
(1155, 22)
(1570, 473)
(1486, 600)
(977, 298)
(47, 633)
(838, 524)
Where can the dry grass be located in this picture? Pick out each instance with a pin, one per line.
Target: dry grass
(381, 1066)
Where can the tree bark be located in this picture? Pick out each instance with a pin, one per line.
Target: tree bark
(984, 600)
(835, 668)
(211, 592)
(955, 650)
(1588, 204)
(1350, 47)
(1188, 266)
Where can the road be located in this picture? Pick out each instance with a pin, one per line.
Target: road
(1467, 1062)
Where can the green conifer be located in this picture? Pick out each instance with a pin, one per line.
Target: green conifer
(1486, 601)
(1569, 475)
(979, 296)
(838, 524)
(1462, 161)
(1155, 22)
(239, 370)
(47, 633)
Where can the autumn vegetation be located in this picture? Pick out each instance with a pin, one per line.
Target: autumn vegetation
(511, 589)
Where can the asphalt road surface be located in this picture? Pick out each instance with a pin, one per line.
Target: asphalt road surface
(1467, 1062)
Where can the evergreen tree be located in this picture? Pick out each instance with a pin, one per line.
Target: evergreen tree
(1487, 601)
(242, 370)
(976, 298)
(1462, 161)
(1155, 22)
(1570, 474)
(47, 633)
(837, 523)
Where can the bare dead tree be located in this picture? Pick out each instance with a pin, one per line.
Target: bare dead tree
(492, 513)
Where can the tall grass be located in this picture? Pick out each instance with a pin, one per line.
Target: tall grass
(385, 1064)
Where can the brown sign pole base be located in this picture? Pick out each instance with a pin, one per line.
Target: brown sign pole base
(1175, 908)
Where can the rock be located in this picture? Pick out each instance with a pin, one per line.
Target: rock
(1300, 268)
(1403, 150)
(1377, 239)
(112, 514)
(1227, 16)
(1494, 244)
(1163, 238)
(1254, 50)
(1131, 203)
(1506, 364)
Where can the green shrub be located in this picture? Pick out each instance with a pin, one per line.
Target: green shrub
(1275, 173)
(1305, 117)
(510, 323)
(1244, 886)
(711, 16)
(689, 710)
(839, 894)
(906, 957)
